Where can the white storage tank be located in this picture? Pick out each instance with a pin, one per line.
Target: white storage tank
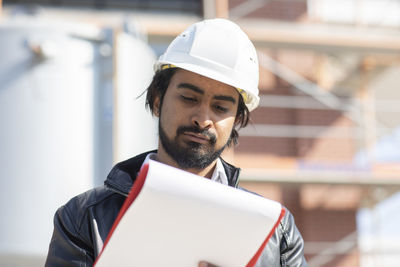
(57, 113)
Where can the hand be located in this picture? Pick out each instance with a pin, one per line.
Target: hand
(206, 264)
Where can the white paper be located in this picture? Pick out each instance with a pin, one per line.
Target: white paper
(179, 219)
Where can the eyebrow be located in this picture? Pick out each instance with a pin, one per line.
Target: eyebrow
(200, 91)
(191, 87)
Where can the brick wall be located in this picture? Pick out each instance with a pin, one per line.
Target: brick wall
(322, 214)
(277, 9)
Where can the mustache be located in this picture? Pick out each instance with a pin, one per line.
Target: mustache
(197, 130)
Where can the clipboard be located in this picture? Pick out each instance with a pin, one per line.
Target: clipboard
(175, 218)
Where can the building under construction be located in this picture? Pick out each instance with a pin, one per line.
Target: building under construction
(325, 140)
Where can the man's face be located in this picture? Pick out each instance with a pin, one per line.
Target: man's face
(196, 119)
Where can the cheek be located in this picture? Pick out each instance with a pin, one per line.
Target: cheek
(170, 119)
(224, 128)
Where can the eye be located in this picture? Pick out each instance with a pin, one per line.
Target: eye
(221, 109)
(188, 98)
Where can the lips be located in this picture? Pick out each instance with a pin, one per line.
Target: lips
(196, 137)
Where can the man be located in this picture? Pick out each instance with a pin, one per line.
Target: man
(205, 85)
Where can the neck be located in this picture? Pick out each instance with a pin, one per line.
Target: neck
(163, 157)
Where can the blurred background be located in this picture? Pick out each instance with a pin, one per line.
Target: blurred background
(325, 140)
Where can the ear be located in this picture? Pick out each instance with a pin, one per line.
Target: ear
(156, 106)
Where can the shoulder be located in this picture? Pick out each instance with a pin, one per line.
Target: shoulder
(291, 242)
(287, 228)
(73, 236)
(89, 198)
(285, 248)
(74, 212)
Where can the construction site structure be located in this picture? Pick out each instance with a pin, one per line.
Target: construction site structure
(324, 140)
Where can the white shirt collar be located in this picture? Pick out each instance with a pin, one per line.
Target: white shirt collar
(218, 175)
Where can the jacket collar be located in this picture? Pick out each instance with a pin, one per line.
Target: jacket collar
(123, 174)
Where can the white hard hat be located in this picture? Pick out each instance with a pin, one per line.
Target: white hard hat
(220, 50)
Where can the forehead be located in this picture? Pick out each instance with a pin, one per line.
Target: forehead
(209, 86)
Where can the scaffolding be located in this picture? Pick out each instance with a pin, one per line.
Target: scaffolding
(353, 62)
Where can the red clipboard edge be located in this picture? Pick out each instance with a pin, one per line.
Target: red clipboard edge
(253, 260)
(136, 188)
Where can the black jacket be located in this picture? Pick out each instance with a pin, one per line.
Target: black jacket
(84, 222)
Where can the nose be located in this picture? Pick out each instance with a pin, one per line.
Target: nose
(201, 118)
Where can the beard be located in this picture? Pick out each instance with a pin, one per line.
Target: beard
(193, 155)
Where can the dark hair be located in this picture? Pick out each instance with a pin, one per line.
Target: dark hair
(159, 85)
